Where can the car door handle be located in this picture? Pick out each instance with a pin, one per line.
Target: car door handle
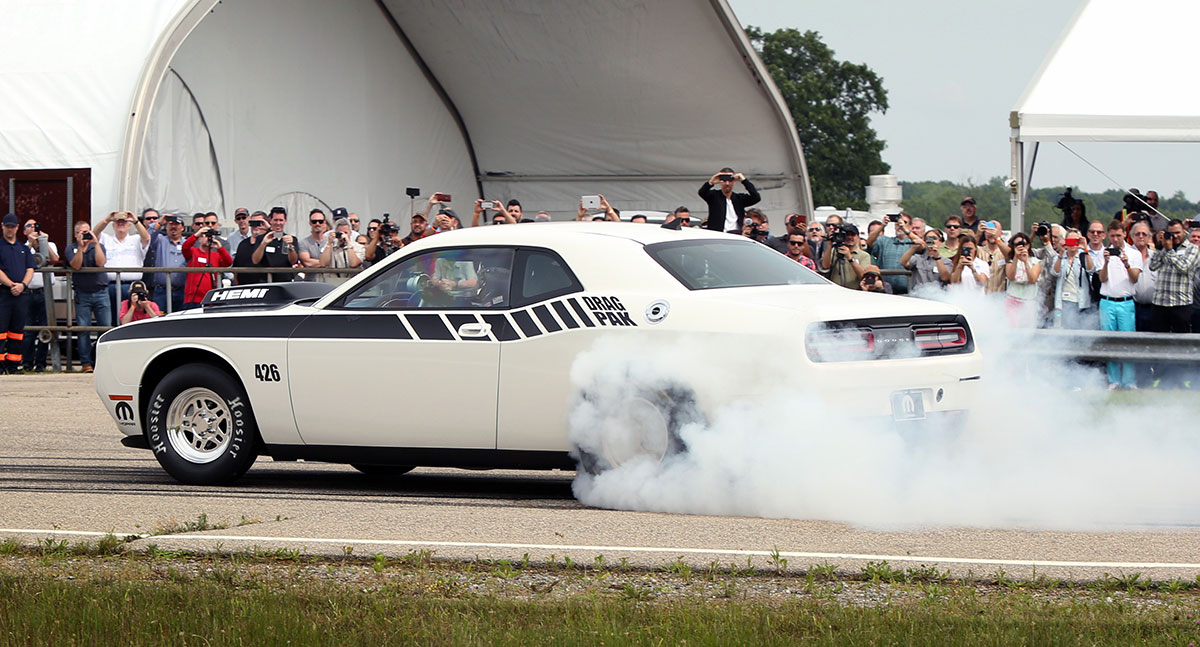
(474, 330)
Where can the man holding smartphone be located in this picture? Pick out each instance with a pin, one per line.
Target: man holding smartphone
(727, 209)
(887, 251)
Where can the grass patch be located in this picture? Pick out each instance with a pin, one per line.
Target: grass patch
(201, 524)
(227, 607)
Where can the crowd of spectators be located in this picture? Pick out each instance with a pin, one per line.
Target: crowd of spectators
(1137, 272)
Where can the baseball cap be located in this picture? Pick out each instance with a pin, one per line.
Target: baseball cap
(417, 215)
(967, 200)
(850, 229)
(241, 210)
(340, 213)
(10, 220)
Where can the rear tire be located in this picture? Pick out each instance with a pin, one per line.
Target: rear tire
(200, 426)
(644, 424)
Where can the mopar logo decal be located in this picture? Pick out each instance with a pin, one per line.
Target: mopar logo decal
(124, 413)
(239, 293)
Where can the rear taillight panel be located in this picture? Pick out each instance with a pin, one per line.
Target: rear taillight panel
(888, 338)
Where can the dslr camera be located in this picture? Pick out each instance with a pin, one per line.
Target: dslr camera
(1114, 252)
(838, 237)
(1066, 202)
(1041, 229)
(387, 227)
(140, 291)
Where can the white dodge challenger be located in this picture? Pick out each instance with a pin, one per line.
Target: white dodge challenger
(456, 351)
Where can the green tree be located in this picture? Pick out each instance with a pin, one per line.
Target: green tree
(831, 102)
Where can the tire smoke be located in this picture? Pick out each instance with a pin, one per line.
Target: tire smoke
(1045, 446)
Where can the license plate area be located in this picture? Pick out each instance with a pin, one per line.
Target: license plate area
(908, 405)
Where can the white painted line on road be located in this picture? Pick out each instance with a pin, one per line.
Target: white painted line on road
(640, 549)
(75, 533)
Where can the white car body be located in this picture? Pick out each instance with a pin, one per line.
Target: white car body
(416, 384)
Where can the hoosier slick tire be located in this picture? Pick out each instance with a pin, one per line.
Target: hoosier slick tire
(200, 426)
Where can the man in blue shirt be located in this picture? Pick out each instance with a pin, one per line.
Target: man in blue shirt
(91, 289)
(16, 271)
(166, 250)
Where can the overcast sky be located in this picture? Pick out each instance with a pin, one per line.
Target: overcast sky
(953, 71)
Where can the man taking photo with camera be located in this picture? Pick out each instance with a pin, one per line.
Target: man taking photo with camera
(277, 249)
(726, 209)
(843, 259)
(91, 289)
(341, 249)
(122, 250)
(384, 240)
(138, 306)
(203, 249)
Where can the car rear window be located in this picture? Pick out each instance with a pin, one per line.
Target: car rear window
(708, 264)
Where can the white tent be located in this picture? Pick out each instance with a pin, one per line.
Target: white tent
(207, 104)
(1119, 73)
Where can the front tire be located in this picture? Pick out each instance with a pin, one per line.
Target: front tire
(200, 426)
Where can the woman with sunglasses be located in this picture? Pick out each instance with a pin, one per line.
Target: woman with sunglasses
(968, 273)
(1023, 270)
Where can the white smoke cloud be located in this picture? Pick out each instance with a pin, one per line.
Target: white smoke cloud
(1043, 448)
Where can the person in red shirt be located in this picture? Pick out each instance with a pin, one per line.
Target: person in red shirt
(139, 305)
(203, 249)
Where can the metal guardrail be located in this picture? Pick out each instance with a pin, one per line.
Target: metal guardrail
(1084, 345)
(70, 330)
(1114, 346)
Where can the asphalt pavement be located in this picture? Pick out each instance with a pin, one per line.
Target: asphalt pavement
(64, 474)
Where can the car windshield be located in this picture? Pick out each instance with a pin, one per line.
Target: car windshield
(707, 264)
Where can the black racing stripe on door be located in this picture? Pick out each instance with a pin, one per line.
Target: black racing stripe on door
(429, 327)
(565, 315)
(526, 323)
(458, 320)
(501, 328)
(547, 319)
(352, 326)
(583, 316)
(191, 326)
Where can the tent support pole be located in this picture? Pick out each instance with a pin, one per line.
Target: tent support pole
(1016, 187)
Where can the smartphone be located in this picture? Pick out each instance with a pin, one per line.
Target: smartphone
(590, 201)
(441, 197)
(487, 204)
(725, 177)
(1072, 242)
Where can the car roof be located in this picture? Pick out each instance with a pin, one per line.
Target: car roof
(550, 233)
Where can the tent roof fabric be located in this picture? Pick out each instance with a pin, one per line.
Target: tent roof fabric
(1119, 73)
(640, 99)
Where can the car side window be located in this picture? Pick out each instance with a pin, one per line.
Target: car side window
(544, 275)
(470, 277)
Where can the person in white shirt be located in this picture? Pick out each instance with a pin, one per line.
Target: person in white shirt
(122, 250)
(969, 273)
(1120, 270)
(34, 352)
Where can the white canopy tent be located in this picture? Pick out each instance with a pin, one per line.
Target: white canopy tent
(211, 105)
(1118, 73)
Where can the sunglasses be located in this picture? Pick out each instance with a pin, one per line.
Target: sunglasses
(354, 220)
(316, 221)
(241, 217)
(953, 226)
(795, 242)
(1094, 231)
(150, 218)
